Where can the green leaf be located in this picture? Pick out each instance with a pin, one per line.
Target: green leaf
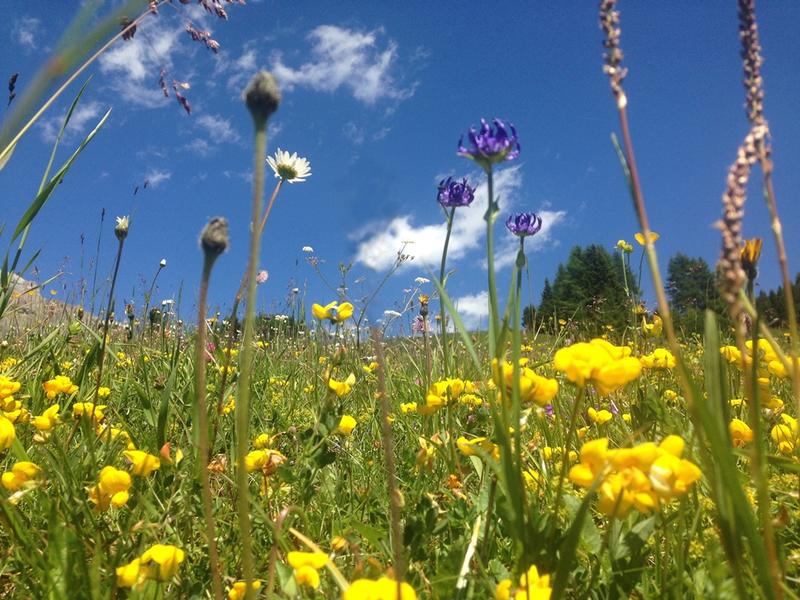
(44, 195)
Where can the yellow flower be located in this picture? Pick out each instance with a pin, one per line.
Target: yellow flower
(342, 388)
(751, 252)
(333, 311)
(634, 478)
(660, 358)
(262, 441)
(61, 384)
(143, 463)
(669, 474)
(652, 329)
(468, 447)
(639, 237)
(371, 367)
(7, 433)
(741, 433)
(129, 575)
(607, 366)
(624, 246)
(8, 387)
(162, 561)
(786, 434)
(533, 388)
(89, 409)
(382, 589)
(346, 425)
(600, 417)
(532, 586)
(20, 474)
(408, 407)
(306, 566)
(339, 543)
(228, 407)
(264, 460)
(238, 590)
(111, 489)
(103, 392)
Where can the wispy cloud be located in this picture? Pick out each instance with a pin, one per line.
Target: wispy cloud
(84, 115)
(346, 58)
(25, 31)
(378, 250)
(134, 66)
(217, 128)
(156, 176)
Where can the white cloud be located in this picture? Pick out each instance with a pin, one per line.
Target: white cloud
(85, 115)
(473, 310)
(354, 133)
(25, 31)
(346, 58)
(217, 128)
(155, 176)
(135, 65)
(378, 251)
(507, 248)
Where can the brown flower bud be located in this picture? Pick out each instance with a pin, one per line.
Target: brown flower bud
(214, 237)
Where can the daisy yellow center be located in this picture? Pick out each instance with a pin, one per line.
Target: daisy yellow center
(287, 171)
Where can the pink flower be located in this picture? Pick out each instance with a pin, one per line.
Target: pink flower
(262, 277)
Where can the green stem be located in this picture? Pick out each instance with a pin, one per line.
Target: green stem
(573, 419)
(443, 323)
(489, 217)
(202, 422)
(246, 363)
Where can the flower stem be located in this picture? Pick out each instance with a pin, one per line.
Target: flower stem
(489, 217)
(443, 323)
(202, 421)
(246, 361)
(107, 321)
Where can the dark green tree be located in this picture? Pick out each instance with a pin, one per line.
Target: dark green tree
(692, 288)
(589, 288)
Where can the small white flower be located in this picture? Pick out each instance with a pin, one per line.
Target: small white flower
(295, 290)
(121, 229)
(167, 302)
(289, 167)
(308, 249)
(163, 263)
(392, 313)
(421, 280)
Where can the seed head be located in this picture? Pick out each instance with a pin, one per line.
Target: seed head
(214, 237)
(262, 96)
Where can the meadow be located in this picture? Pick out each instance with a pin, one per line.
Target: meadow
(149, 452)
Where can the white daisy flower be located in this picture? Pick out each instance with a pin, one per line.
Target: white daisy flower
(289, 167)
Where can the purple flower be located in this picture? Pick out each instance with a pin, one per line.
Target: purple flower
(491, 145)
(455, 193)
(524, 224)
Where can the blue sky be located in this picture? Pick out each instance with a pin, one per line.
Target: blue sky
(376, 95)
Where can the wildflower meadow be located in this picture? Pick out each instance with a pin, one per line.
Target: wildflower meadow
(629, 431)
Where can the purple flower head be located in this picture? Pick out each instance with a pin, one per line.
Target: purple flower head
(491, 145)
(524, 224)
(455, 193)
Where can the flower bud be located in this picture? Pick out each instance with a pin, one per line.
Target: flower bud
(262, 96)
(121, 229)
(214, 237)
